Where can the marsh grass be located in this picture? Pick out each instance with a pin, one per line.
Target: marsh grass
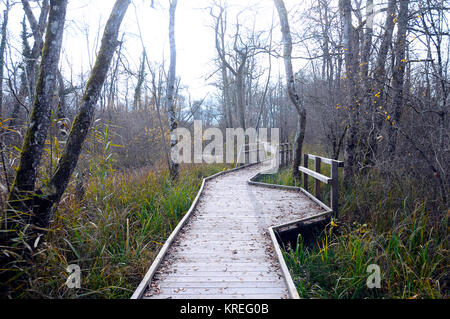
(391, 224)
(115, 232)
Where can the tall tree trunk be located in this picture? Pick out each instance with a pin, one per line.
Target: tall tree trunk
(349, 48)
(398, 77)
(240, 86)
(21, 197)
(53, 192)
(379, 98)
(220, 28)
(38, 29)
(174, 164)
(2, 53)
(291, 87)
(16, 234)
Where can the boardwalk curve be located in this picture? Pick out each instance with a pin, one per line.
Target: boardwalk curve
(225, 247)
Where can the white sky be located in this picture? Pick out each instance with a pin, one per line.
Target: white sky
(194, 34)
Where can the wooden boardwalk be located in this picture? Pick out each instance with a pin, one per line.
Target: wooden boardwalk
(224, 249)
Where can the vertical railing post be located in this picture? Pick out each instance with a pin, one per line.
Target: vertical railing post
(289, 154)
(286, 148)
(335, 188)
(247, 154)
(317, 185)
(305, 176)
(280, 154)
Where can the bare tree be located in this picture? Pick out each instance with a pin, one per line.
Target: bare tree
(2, 52)
(351, 87)
(398, 77)
(171, 103)
(291, 86)
(24, 199)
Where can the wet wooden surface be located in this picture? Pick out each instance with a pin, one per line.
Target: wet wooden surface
(225, 250)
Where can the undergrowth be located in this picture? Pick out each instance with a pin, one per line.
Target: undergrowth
(395, 227)
(114, 232)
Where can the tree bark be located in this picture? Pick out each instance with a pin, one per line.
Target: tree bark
(53, 192)
(379, 97)
(351, 92)
(291, 87)
(2, 53)
(173, 165)
(398, 77)
(38, 29)
(20, 199)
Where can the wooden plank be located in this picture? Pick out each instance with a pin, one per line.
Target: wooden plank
(335, 189)
(148, 277)
(181, 291)
(221, 296)
(317, 187)
(221, 267)
(226, 247)
(302, 221)
(287, 275)
(320, 177)
(305, 176)
(326, 160)
(203, 285)
(224, 278)
(199, 254)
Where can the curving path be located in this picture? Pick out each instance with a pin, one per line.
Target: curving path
(224, 250)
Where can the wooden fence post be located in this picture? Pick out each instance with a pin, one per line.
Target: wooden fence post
(305, 176)
(316, 181)
(289, 154)
(335, 188)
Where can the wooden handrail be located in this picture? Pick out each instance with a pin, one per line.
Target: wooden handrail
(325, 160)
(317, 176)
(333, 181)
(285, 154)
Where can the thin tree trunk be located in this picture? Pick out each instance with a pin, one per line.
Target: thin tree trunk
(379, 97)
(2, 53)
(83, 121)
(398, 77)
(17, 228)
(349, 47)
(38, 29)
(173, 165)
(20, 199)
(291, 86)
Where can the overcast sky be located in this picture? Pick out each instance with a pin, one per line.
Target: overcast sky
(194, 34)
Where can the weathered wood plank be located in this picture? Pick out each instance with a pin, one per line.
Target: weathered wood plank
(224, 249)
(320, 177)
(245, 284)
(221, 296)
(325, 160)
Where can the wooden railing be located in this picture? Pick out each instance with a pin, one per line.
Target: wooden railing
(320, 179)
(286, 154)
(248, 149)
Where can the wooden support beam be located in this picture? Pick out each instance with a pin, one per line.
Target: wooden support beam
(335, 188)
(305, 176)
(326, 160)
(316, 181)
(320, 177)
